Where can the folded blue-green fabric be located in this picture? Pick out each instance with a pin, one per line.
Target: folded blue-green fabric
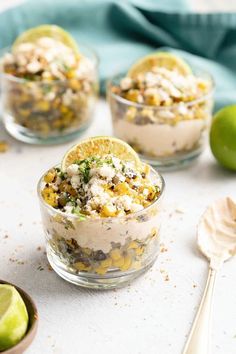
(123, 31)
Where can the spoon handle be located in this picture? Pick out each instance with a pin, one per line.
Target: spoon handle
(199, 338)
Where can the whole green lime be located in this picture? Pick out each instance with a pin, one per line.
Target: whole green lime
(223, 137)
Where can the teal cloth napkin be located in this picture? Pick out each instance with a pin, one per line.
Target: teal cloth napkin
(123, 31)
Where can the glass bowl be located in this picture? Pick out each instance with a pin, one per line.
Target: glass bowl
(40, 112)
(165, 137)
(102, 253)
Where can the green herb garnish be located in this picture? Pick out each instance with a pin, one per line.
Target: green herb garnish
(46, 88)
(76, 211)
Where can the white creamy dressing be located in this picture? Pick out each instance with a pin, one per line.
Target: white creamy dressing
(217, 231)
(99, 234)
(161, 139)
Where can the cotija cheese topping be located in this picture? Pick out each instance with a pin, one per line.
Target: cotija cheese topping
(46, 59)
(162, 87)
(101, 187)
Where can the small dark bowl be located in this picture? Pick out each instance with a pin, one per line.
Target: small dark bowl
(32, 326)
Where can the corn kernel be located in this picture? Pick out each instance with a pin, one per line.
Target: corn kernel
(115, 254)
(153, 232)
(81, 266)
(132, 95)
(127, 263)
(152, 193)
(49, 196)
(131, 114)
(106, 263)
(49, 177)
(108, 210)
(153, 100)
(139, 251)
(75, 84)
(71, 74)
(64, 109)
(42, 106)
(133, 245)
(101, 270)
(202, 85)
(122, 188)
(119, 262)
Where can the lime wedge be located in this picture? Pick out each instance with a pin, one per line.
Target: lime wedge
(13, 317)
(159, 59)
(100, 146)
(51, 31)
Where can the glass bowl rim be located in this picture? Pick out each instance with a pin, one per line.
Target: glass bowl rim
(109, 219)
(10, 77)
(160, 108)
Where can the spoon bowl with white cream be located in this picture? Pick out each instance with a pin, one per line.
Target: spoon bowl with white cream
(216, 238)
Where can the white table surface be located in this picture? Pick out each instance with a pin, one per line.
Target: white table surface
(152, 315)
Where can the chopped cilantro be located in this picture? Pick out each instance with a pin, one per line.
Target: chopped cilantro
(85, 166)
(72, 200)
(46, 88)
(76, 211)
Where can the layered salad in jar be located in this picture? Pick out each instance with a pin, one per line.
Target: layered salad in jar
(162, 108)
(101, 211)
(49, 86)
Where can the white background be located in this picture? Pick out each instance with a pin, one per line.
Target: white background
(151, 316)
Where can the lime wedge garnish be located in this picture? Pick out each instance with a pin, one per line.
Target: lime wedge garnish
(13, 317)
(100, 146)
(159, 59)
(52, 31)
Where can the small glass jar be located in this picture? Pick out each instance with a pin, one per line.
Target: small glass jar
(165, 137)
(47, 112)
(102, 253)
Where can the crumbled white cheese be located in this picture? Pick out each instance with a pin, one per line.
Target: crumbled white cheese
(68, 209)
(75, 181)
(136, 207)
(67, 97)
(34, 67)
(126, 83)
(106, 171)
(182, 109)
(72, 170)
(96, 190)
(124, 202)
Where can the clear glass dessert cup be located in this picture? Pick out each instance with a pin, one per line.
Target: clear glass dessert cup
(168, 137)
(102, 253)
(48, 112)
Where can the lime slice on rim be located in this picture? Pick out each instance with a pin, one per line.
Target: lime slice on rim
(159, 59)
(13, 317)
(51, 31)
(100, 146)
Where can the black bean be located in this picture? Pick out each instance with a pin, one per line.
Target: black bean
(80, 258)
(99, 256)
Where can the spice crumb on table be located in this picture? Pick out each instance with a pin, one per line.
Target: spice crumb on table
(4, 146)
